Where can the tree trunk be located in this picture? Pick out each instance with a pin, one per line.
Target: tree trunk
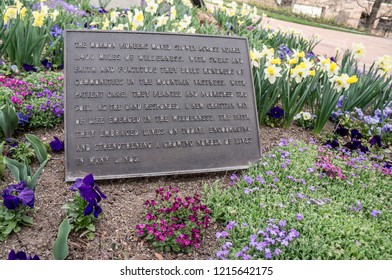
(198, 3)
(373, 14)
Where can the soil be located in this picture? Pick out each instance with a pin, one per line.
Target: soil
(116, 237)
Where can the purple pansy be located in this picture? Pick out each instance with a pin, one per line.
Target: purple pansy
(18, 194)
(276, 112)
(91, 193)
(21, 256)
(56, 145)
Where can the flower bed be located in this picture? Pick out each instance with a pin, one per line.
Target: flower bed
(300, 202)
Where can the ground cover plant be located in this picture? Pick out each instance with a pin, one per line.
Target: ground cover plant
(306, 202)
(300, 202)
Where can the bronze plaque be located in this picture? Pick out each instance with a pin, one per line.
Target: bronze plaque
(148, 104)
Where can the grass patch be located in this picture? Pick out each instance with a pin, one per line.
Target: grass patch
(305, 202)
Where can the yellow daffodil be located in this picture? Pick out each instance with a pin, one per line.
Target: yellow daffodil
(23, 12)
(352, 80)
(312, 73)
(105, 23)
(299, 54)
(10, 13)
(271, 73)
(274, 61)
(39, 18)
(292, 61)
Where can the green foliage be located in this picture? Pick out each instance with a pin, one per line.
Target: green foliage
(24, 43)
(45, 104)
(23, 172)
(1, 160)
(12, 220)
(22, 152)
(39, 147)
(60, 247)
(78, 221)
(8, 118)
(288, 181)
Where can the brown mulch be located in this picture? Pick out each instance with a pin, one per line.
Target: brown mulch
(116, 237)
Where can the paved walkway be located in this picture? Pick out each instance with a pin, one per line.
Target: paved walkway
(331, 39)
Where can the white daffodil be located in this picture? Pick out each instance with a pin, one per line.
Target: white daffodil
(332, 69)
(271, 73)
(358, 50)
(299, 72)
(162, 20)
(340, 82)
(173, 13)
(113, 16)
(255, 57)
(138, 19)
(152, 8)
(119, 27)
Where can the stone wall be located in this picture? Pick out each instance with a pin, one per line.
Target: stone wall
(346, 11)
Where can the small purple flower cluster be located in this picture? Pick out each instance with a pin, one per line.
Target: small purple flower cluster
(173, 221)
(267, 242)
(18, 194)
(284, 52)
(55, 4)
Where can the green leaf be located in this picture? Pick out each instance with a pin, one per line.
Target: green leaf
(8, 120)
(34, 179)
(27, 220)
(90, 227)
(17, 169)
(10, 227)
(39, 148)
(60, 248)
